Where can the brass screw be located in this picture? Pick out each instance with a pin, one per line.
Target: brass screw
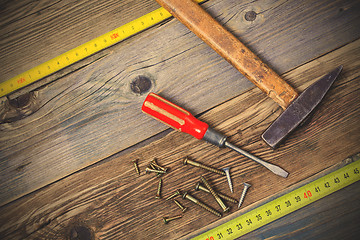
(224, 197)
(155, 164)
(148, 170)
(206, 207)
(200, 165)
(151, 166)
(158, 193)
(136, 166)
(173, 195)
(215, 195)
(180, 206)
(168, 219)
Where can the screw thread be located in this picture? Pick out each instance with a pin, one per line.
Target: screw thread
(173, 195)
(246, 186)
(203, 205)
(158, 194)
(227, 172)
(168, 219)
(211, 169)
(155, 164)
(151, 166)
(224, 197)
(215, 195)
(180, 206)
(147, 170)
(200, 165)
(227, 198)
(136, 166)
(209, 209)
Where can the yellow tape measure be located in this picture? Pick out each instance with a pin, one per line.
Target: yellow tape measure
(84, 50)
(285, 204)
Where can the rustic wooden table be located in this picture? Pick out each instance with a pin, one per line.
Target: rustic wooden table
(67, 142)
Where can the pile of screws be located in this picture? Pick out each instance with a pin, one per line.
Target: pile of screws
(226, 172)
(154, 167)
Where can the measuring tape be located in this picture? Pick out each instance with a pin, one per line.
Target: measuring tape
(85, 50)
(285, 204)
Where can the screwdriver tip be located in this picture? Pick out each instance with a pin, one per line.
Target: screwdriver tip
(275, 169)
(282, 173)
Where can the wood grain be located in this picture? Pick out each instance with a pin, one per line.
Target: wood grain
(200, 22)
(110, 201)
(334, 216)
(92, 113)
(33, 32)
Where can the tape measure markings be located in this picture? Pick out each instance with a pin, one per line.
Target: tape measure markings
(285, 204)
(85, 50)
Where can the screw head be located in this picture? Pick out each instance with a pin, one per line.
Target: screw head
(165, 220)
(185, 161)
(247, 185)
(197, 186)
(226, 169)
(176, 193)
(184, 195)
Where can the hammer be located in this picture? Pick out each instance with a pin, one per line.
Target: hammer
(296, 107)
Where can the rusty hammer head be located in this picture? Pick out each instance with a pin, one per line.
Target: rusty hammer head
(299, 109)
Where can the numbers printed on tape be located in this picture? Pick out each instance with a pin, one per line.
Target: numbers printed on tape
(285, 204)
(84, 50)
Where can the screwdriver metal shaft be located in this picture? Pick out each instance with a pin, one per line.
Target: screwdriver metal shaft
(219, 140)
(275, 169)
(180, 119)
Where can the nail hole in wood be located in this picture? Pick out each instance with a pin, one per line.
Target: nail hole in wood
(140, 85)
(250, 16)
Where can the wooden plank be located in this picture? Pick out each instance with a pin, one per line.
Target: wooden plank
(326, 218)
(110, 201)
(334, 217)
(34, 32)
(92, 113)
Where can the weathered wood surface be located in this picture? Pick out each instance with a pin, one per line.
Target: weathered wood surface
(333, 217)
(92, 113)
(110, 201)
(33, 32)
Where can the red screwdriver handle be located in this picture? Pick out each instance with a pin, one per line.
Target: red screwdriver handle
(173, 116)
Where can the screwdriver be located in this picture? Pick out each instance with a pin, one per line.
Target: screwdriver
(180, 119)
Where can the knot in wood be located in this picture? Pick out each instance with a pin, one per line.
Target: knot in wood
(21, 101)
(80, 233)
(13, 109)
(141, 84)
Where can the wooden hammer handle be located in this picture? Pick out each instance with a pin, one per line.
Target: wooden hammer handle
(229, 47)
